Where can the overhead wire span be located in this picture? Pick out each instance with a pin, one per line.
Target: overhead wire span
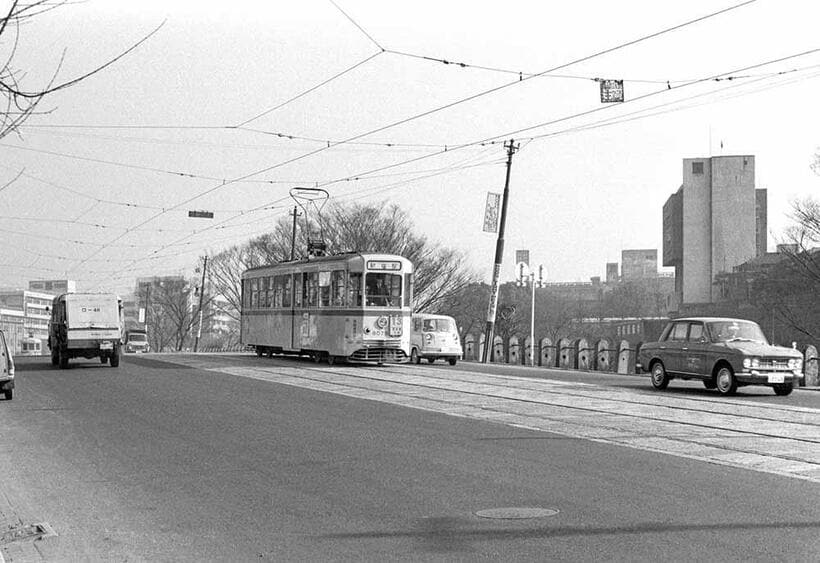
(438, 109)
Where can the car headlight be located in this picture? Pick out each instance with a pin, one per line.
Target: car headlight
(795, 364)
(751, 362)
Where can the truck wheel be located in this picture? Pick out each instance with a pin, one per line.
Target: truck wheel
(63, 358)
(55, 358)
(8, 395)
(103, 359)
(115, 357)
(452, 361)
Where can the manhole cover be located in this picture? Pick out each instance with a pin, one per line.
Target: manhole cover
(513, 513)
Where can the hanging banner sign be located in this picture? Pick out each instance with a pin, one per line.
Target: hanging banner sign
(491, 213)
(611, 90)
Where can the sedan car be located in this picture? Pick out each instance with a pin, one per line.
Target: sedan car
(723, 353)
(6, 369)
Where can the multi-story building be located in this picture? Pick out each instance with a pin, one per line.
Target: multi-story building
(35, 307)
(57, 287)
(639, 264)
(714, 222)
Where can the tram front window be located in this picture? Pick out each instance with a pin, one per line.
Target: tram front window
(383, 290)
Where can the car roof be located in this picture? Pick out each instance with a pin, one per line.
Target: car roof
(711, 319)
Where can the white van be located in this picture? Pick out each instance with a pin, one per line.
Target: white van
(434, 337)
(6, 369)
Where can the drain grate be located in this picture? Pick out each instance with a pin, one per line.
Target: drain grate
(516, 513)
(27, 532)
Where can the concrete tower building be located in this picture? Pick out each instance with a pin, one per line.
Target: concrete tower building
(712, 223)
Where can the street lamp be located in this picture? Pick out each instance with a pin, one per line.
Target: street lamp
(525, 279)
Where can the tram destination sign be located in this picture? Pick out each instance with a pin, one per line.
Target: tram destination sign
(391, 265)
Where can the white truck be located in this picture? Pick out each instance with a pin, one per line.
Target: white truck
(85, 325)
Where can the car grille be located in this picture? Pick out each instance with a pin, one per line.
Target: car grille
(774, 364)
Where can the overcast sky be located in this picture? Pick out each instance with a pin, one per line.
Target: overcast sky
(229, 105)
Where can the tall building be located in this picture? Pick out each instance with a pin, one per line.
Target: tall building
(611, 272)
(712, 224)
(639, 264)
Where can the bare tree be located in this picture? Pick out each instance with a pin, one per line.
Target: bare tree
(19, 101)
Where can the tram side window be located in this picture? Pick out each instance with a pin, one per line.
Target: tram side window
(354, 289)
(311, 292)
(337, 288)
(254, 293)
(246, 294)
(324, 289)
(297, 290)
(408, 290)
(286, 291)
(278, 289)
(383, 290)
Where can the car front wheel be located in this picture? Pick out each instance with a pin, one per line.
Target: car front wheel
(782, 389)
(725, 381)
(660, 379)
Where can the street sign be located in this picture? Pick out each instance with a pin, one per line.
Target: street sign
(202, 214)
(522, 256)
(611, 90)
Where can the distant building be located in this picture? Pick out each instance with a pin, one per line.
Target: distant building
(714, 222)
(611, 272)
(57, 287)
(35, 310)
(639, 264)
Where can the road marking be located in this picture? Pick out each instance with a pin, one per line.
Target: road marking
(777, 439)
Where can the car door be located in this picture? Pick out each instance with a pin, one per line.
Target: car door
(4, 357)
(672, 348)
(693, 352)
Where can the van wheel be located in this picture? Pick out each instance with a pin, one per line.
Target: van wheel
(430, 360)
(414, 356)
(8, 395)
(452, 361)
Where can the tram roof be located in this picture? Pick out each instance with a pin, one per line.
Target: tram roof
(346, 257)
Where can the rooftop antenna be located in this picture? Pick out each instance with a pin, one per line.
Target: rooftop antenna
(312, 200)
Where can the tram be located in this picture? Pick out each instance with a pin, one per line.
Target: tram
(351, 307)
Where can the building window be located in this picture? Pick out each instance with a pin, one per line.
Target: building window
(697, 168)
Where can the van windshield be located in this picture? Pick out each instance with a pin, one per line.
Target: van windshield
(136, 337)
(438, 325)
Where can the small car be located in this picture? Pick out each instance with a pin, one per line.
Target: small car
(434, 337)
(6, 368)
(724, 353)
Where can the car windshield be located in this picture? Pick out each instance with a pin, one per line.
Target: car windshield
(730, 331)
(136, 338)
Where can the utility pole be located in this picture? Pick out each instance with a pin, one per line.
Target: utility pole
(293, 236)
(201, 297)
(499, 256)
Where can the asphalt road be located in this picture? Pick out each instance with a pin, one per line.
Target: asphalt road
(159, 461)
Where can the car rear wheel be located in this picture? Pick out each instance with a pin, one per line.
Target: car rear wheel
(660, 379)
(725, 381)
(782, 389)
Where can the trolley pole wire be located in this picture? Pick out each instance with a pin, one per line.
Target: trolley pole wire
(499, 256)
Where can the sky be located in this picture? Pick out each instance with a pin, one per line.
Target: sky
(228, 106)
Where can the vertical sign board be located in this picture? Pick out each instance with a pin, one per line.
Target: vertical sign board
(491, 213)
(611, 91)
(522, 256)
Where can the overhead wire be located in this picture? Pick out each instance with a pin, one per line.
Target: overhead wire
(435, 110)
